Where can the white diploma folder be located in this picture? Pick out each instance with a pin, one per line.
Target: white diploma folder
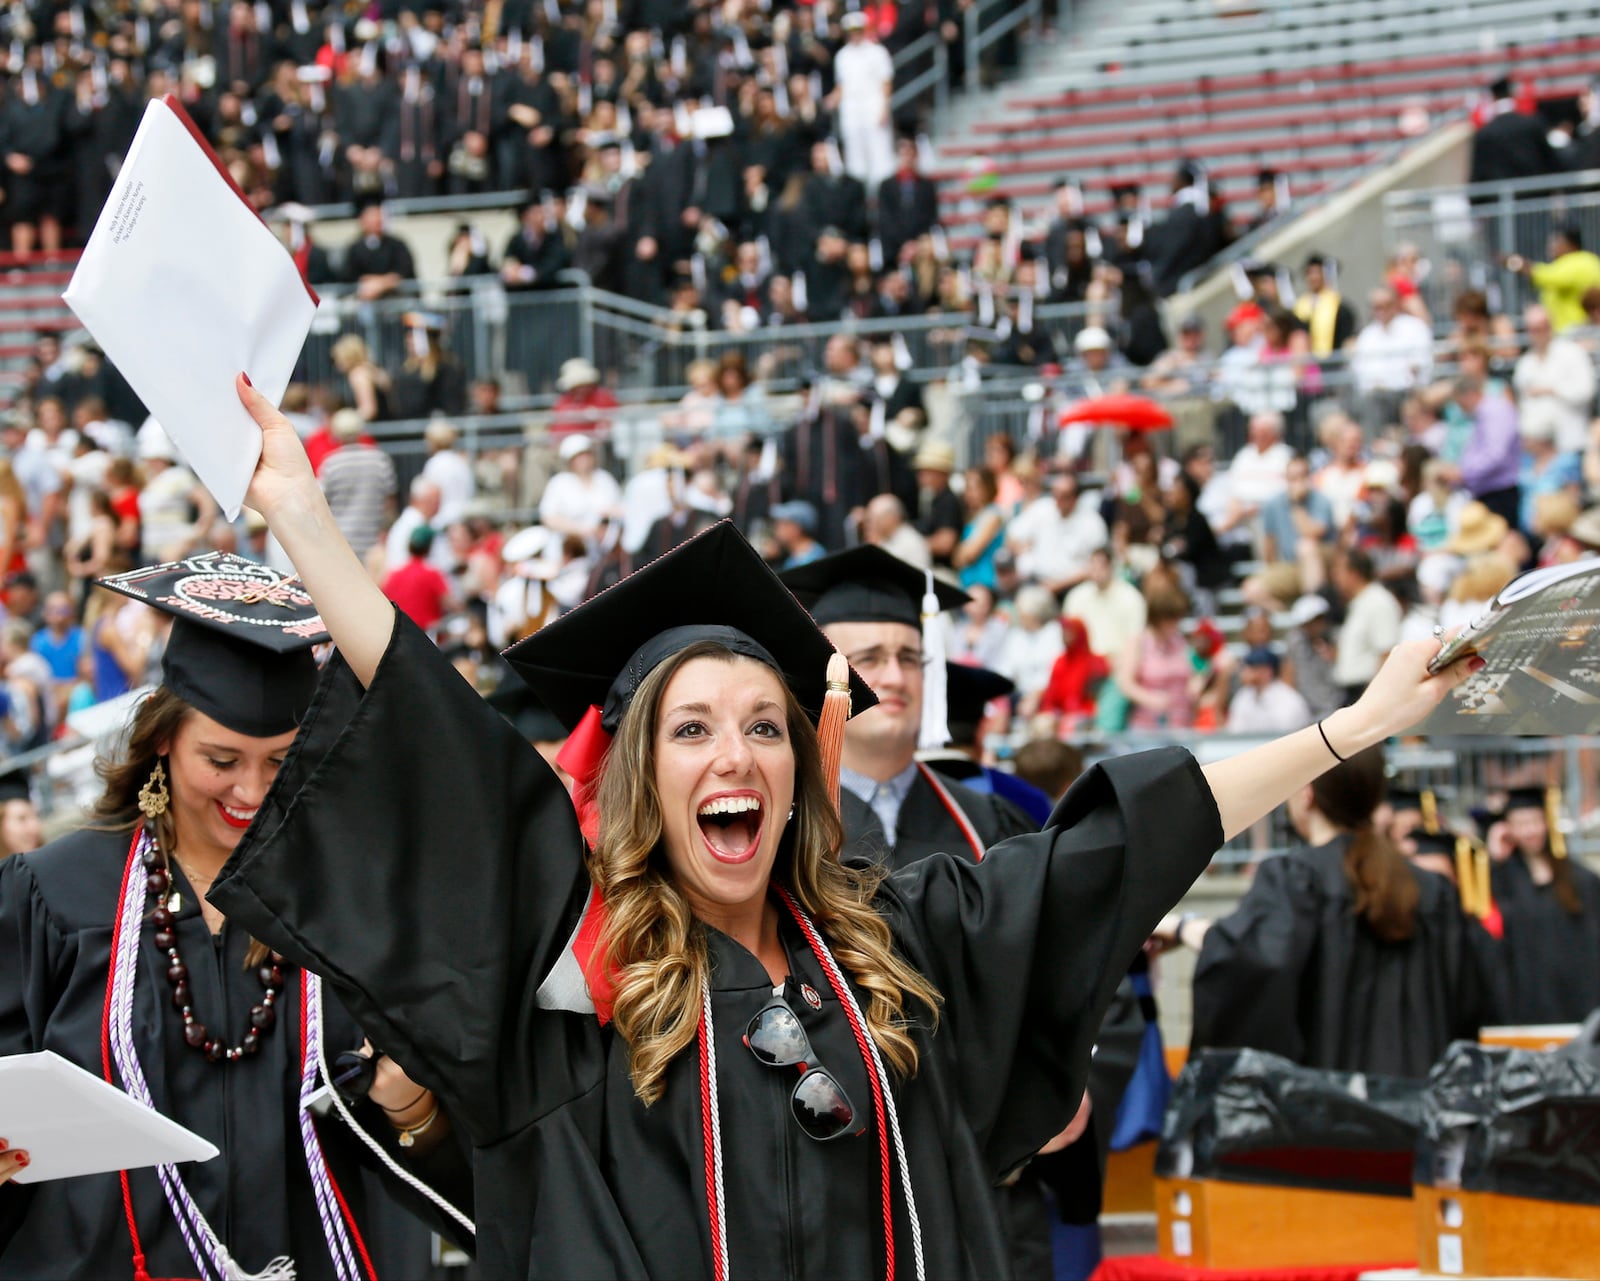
(184, 287)
(70, 1122)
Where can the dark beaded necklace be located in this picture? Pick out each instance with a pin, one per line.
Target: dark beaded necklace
(262, 1017)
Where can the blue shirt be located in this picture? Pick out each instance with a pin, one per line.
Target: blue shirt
(1277, 521)
(883, 799)
(1564, 471)
(63, 655)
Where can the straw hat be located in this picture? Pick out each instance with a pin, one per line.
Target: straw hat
(1478, 530)
(1586, 529)
(935, 456)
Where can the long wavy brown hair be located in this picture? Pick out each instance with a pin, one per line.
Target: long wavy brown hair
(157, 720)
(654, 948)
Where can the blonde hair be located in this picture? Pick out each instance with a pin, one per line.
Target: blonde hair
(348, 351)
(655, 951)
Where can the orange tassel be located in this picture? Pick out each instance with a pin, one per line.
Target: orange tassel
(830, 728)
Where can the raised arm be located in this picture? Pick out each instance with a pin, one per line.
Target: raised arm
(285, 491)
(1252, 784)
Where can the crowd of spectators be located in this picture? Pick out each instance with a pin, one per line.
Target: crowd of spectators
(1184, 587)
(1337, 478)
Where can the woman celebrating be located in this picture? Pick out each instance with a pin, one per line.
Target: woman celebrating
(110, 957)
(685, 1038)
(1344, 955)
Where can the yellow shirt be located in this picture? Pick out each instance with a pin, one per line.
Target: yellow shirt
(1562, 285)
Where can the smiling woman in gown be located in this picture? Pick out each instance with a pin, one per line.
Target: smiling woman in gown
(684, 1037)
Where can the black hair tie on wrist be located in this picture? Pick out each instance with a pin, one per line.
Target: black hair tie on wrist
(1329, 745)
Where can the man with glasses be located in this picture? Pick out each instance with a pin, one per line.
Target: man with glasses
(895, 809)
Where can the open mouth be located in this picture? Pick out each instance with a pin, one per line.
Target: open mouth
(235, 818)
(730, 825)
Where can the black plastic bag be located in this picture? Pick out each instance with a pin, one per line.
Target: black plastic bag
(1518, 1122)
(1246, 1116)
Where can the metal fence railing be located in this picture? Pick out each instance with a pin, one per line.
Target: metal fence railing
(1464, 233)
(1465, 773)
(523, 337)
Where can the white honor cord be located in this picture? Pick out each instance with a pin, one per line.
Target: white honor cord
(393, 1166)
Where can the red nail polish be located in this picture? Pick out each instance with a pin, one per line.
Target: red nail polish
(22, 1158)
(247, 381)
(3, 1145)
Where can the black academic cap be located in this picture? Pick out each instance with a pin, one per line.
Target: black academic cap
(867, 585)
(526, 710)
(240, 649)
(968, 690)
(1121, 191)
(1402, 800)
(14, 787)
(1525, 798)
(1266, 177)
(713, 587)
(1440, 842)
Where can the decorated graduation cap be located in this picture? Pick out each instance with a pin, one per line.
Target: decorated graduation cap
(869, 585)
(587, 665)
(240, 649)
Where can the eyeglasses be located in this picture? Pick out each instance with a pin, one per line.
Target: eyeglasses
(873, 660)
(819, 1103)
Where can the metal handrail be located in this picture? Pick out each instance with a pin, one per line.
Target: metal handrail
(1540, 185)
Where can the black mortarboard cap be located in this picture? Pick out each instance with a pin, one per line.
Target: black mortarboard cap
(968, 690)
(240, 649)
(867, 585)
(1440, 842)
(1404, 799)
(1525, 798)
(713, 587)
(14, 787)
(526, 710)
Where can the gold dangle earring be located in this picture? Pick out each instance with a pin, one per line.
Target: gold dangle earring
(154, 796)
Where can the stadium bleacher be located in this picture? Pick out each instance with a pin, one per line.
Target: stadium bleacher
(1325, 91)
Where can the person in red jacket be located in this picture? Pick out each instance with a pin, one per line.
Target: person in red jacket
(1074, 678)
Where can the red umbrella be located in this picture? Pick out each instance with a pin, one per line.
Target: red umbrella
(1136, 413)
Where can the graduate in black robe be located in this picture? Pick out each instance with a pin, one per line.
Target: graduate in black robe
(1342, 956)
(1549, 905)
(868, 602)
(57, 908)
(574, 1175)
(447, 896)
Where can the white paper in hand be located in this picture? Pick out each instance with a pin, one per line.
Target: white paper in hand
(184, 287)
(70, 1122)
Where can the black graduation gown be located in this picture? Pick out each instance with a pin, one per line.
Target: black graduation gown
(1295, 972)
(56, 911)
(1552, 958)
(924, 826)
(437, 889)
